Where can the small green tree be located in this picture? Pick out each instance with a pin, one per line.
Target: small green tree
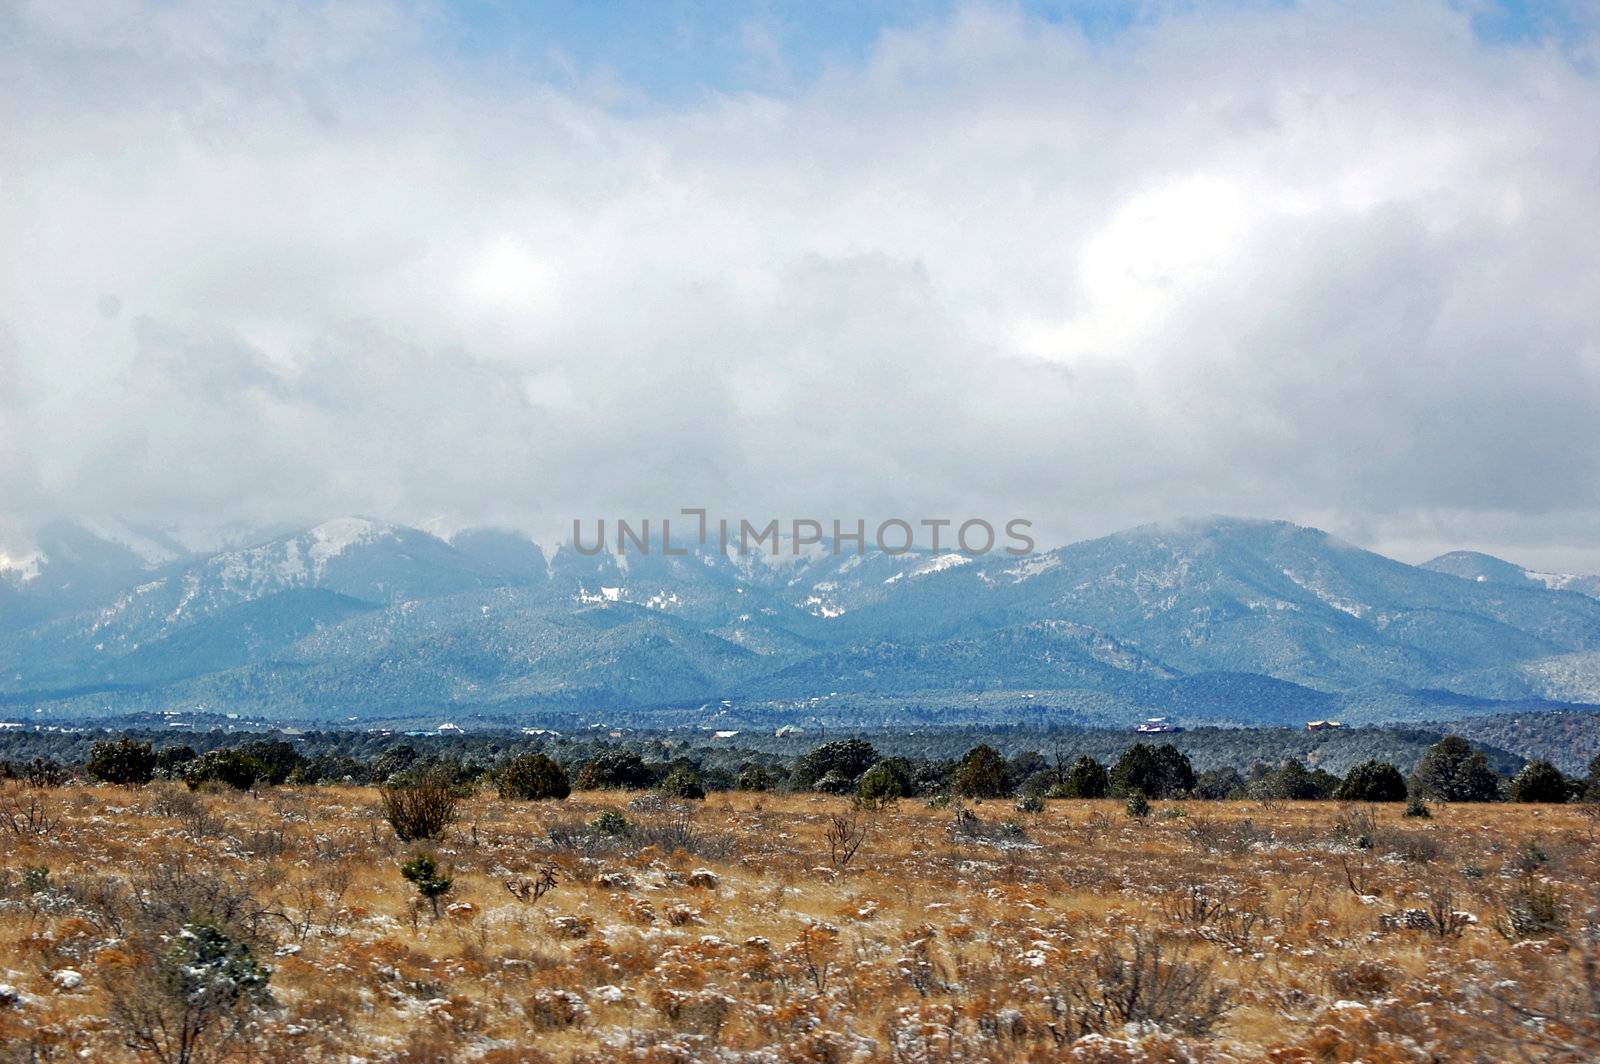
(683, 782)
(278, 759)
(756, 778)
(431, 881)
(1372, 781)
(848, 758)
(1218, 784)
(1451, 771)
(1138, 805)
(124, 762)
(1540, 781)
(230, 767)
(1294, 782)
(983, 773)
(1158, 771)
(611, 770)
(172, 761)
(1087, 778)
(834, 782)
(186, 1002)
(886, 781)
(532, 777)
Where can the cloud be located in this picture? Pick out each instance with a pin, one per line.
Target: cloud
(1327, 262)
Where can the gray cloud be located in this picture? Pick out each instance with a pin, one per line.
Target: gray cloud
(1330, 263)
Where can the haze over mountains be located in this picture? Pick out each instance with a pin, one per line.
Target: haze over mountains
(1216, 620)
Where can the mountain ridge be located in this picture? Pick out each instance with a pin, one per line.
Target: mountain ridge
(1233, 619)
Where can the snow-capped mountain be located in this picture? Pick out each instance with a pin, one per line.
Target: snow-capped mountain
(1218, 619)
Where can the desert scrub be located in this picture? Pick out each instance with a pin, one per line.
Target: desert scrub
(757, 947)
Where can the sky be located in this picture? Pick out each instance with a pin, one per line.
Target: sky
(1087, 264)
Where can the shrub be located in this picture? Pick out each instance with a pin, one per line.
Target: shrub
(1416, 807)
(1372, 781)
(533, 777)
(229, 767)
(124, 762)
(683, 783)
(431, 881)
(419, 810)
(1138, 805)
(610, 823)
(885, 781)
(1451, 771)
(1540, 781)
(611, 770)
(983, 773)
(1030, 803)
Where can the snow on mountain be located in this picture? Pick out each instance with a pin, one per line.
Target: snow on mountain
(21, 568)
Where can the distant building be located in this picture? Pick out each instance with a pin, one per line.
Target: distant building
(1157, 726)
(1323, 725)
(788, 729)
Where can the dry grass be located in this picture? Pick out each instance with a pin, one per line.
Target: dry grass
(1303, 932)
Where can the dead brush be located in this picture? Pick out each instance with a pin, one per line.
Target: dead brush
(1215, 908)
(1445, 920)
(1356, 826)
(846, 834)
(1139, 984)
(1529, 909)
(532, 888)
(1364, 979)
(28, 814)
(1210, 835)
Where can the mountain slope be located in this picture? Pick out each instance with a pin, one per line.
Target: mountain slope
(1486, 568)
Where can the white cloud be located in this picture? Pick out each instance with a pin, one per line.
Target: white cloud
(1330, 262)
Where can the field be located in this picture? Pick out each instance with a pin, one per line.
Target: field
(140, 924)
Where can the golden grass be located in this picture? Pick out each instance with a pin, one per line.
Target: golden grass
(930, 945)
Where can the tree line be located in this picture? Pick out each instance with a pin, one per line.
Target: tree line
(1450, 770)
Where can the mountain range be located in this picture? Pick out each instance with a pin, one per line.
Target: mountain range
(1217, 620)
